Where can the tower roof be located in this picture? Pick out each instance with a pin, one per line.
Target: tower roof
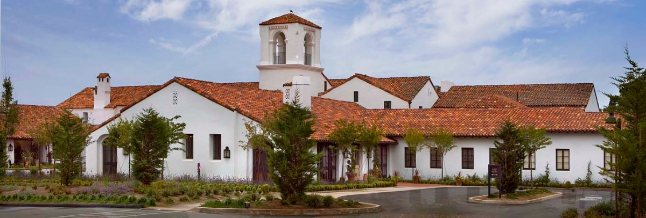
(290, 18)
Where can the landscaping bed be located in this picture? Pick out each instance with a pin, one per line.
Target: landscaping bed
(520, 197)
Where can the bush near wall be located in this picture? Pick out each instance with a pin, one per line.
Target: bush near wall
(77, 198)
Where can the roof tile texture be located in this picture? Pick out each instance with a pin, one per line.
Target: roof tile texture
(405, 88)
(290, 18)
(32, 116)
(531, 95)
(119, 96)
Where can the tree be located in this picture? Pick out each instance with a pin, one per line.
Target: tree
(369, 138)
(628, 172)
(535, 141)
(285, 134)
(345, 136)
(510, 154)
(69, 136)
(151, 139)
(119, 135)
(8, 121)
(444, 142)
(415, 141)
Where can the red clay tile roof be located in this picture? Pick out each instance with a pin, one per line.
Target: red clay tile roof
(337, 82)
(405, 88)
(484, 122)
(103, 75)
(119, 96)
(32, 116)
(289, 18)
(531, 95)
(493, 101)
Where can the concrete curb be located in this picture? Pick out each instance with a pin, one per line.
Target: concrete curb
(513, 202)
(374, 208)
(71, 205)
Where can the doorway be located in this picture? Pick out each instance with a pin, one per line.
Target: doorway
(109, 160)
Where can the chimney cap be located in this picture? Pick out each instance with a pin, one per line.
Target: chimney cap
(103, 75)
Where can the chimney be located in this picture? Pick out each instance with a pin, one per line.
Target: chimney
(102, 91)
(300, 85)
(446, 85)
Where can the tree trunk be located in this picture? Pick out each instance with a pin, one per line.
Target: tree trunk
(531, 171)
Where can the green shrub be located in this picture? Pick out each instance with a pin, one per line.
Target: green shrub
(568, 185)
(313, 200)
(151, 202)
(269, 197)
(328, 201)
(603, 209)
(169, 201)
(570, 213)
(184, 199)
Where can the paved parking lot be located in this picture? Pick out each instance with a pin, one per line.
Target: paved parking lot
(433, 202)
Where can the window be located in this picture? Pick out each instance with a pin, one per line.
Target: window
(216, 145)
(526, 163)
(467, 158)
(324, 85)
(436, 158)
(491, 151)
(189, 146)
(563, 159)
(386, 104)
(608, 158)
(420, 107)
(356, 96)
(85, 117)
(409, 158)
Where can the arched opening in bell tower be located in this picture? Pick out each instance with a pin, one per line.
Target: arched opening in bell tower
(307, 49)
(279, 48)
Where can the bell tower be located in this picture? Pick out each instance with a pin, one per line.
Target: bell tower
(290, 46)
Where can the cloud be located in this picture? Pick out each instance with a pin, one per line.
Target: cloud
(561, 17)
(531, 41)
(152, 10)
(168, 46)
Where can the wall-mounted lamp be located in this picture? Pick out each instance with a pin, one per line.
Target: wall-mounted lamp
(227, 152)
(10, 147)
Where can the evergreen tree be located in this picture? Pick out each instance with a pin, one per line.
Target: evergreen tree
(627, 143)
(69, 136)
(151, 139)
(285, 135)
(8, 121)
(444, 142)
(510, 154)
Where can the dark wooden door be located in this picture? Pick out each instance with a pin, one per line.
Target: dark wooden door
(382, 154)
(109, 160)
(260, 167)
(327, 164)
(17, 154)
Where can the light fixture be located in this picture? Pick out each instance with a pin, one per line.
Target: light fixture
(227, 152)
(10, 147)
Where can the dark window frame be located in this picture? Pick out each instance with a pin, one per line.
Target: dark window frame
(410, 158)
(388, 105)
(468, 158)
(188, 144)
(324, 85)
(216, 145)
(532, 165)
(562, 168)
(436, 158)
(356, 96)
(606, 163)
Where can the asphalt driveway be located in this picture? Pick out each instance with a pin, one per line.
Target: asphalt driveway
(434, 202)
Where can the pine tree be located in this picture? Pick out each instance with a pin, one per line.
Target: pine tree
(151, 139)
(69, 137)
(510, 154)
(8, 121)
(627, 143)
(285, 135)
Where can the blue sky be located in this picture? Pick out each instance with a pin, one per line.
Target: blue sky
(52, 49)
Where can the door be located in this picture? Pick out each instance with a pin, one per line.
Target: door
(327, 164)
(17, 154)
(109, 160)
(260, 166)
(382, 154)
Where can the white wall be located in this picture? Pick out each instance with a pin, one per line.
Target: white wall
(295, 38)
(370, 96)
(96, 116)
(582, 149)
(272, 77)
(10, 153)
(593, 105)
(425, 98)
(202, 117)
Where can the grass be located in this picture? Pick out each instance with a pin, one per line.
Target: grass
(527, 193)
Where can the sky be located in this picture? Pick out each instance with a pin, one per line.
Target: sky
(52, 49)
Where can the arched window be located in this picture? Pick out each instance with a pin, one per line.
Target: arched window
(279, 48)
(307, 49)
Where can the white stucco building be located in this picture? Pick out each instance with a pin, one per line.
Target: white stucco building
(215, 114)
